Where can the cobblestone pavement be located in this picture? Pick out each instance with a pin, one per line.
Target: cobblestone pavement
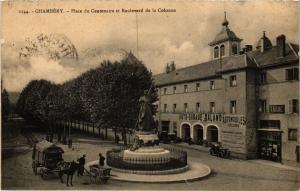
(227, 174)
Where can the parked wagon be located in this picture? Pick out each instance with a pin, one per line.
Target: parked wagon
(99, 174)
(45, 158)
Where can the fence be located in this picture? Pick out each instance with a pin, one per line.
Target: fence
(178, 159)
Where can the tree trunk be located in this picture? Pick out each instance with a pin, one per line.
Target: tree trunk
(115, 129)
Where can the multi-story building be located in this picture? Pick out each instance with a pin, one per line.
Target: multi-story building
(244, 98)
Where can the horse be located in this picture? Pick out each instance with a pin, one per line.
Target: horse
(68, 168)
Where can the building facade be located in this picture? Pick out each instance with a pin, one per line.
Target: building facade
(244, 98)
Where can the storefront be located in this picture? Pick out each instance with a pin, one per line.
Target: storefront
(269, 140)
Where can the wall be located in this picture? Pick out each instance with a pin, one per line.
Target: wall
(278, 91)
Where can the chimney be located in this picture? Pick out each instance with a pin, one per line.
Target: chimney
(280, 42)
(168, 68)
(172, 66)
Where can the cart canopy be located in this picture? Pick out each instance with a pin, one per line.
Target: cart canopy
(47, 147)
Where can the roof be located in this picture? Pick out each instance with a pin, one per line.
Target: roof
(225, 35)
(44, 145)
(211, 69)
(269, 57)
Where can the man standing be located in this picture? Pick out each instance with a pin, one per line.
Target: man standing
(101, 160)
(81, 161)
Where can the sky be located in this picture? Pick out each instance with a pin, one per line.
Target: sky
(182, 36)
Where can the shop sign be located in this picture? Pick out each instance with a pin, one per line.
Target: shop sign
(276, 109)
(214, 117)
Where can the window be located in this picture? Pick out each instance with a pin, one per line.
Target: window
(294, 106)
(233, 106)
(197, 87)
(212, 85)
(198, 107)
(233, 80)
(292, 134)
(185, 88)
(165, 91)
(185, 107)
(174, 108)
(263, 77)
(292, 74)
(216, 52)
(234, 49)
(263, 106)
(212, 107)
(165, 107)
(222, 50)
(174, 90)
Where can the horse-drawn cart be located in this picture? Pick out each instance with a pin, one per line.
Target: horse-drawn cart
(99, 174)
(45, 158)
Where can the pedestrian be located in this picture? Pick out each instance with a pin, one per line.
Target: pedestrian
(81, 161)
(297, 152)
(101, 160)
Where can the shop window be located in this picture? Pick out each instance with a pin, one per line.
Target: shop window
(263, 77)
(165, 126)
(233, 81)
(165, 107)
(212, 107)
(292, 74)
(292, 134)
(212, 85)
(294, 106)
(216, 52)
(234, 49)
(233, 106)
(197, 87)
(198, 107)
(174, 108)
(222, 50)
(174, 90)
(165, 91)
(263, 106)
(185, 88)
(185, 107)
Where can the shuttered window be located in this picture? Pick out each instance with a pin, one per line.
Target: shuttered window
(293, 106)
(292, 74)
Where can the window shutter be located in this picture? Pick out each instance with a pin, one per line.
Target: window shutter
(296, 73)
(290, 106)
(287, 74)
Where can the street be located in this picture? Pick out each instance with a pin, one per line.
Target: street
(227, 174)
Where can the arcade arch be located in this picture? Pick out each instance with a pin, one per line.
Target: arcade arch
(212, 133)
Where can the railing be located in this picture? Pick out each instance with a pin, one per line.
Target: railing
(178, 159)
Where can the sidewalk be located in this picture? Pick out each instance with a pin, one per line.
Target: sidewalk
(286, 166)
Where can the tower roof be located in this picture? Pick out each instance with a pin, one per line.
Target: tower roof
(225, 34)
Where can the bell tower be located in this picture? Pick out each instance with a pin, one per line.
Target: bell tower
(226, 43)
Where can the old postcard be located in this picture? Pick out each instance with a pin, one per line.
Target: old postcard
(150, 95)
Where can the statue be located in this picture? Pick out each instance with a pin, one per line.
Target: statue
(145, 130)
(146, 121)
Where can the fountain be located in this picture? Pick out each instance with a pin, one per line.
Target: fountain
(146, 156)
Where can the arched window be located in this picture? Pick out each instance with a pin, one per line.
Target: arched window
(222, 50)
(216, 52)
(234, 49)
